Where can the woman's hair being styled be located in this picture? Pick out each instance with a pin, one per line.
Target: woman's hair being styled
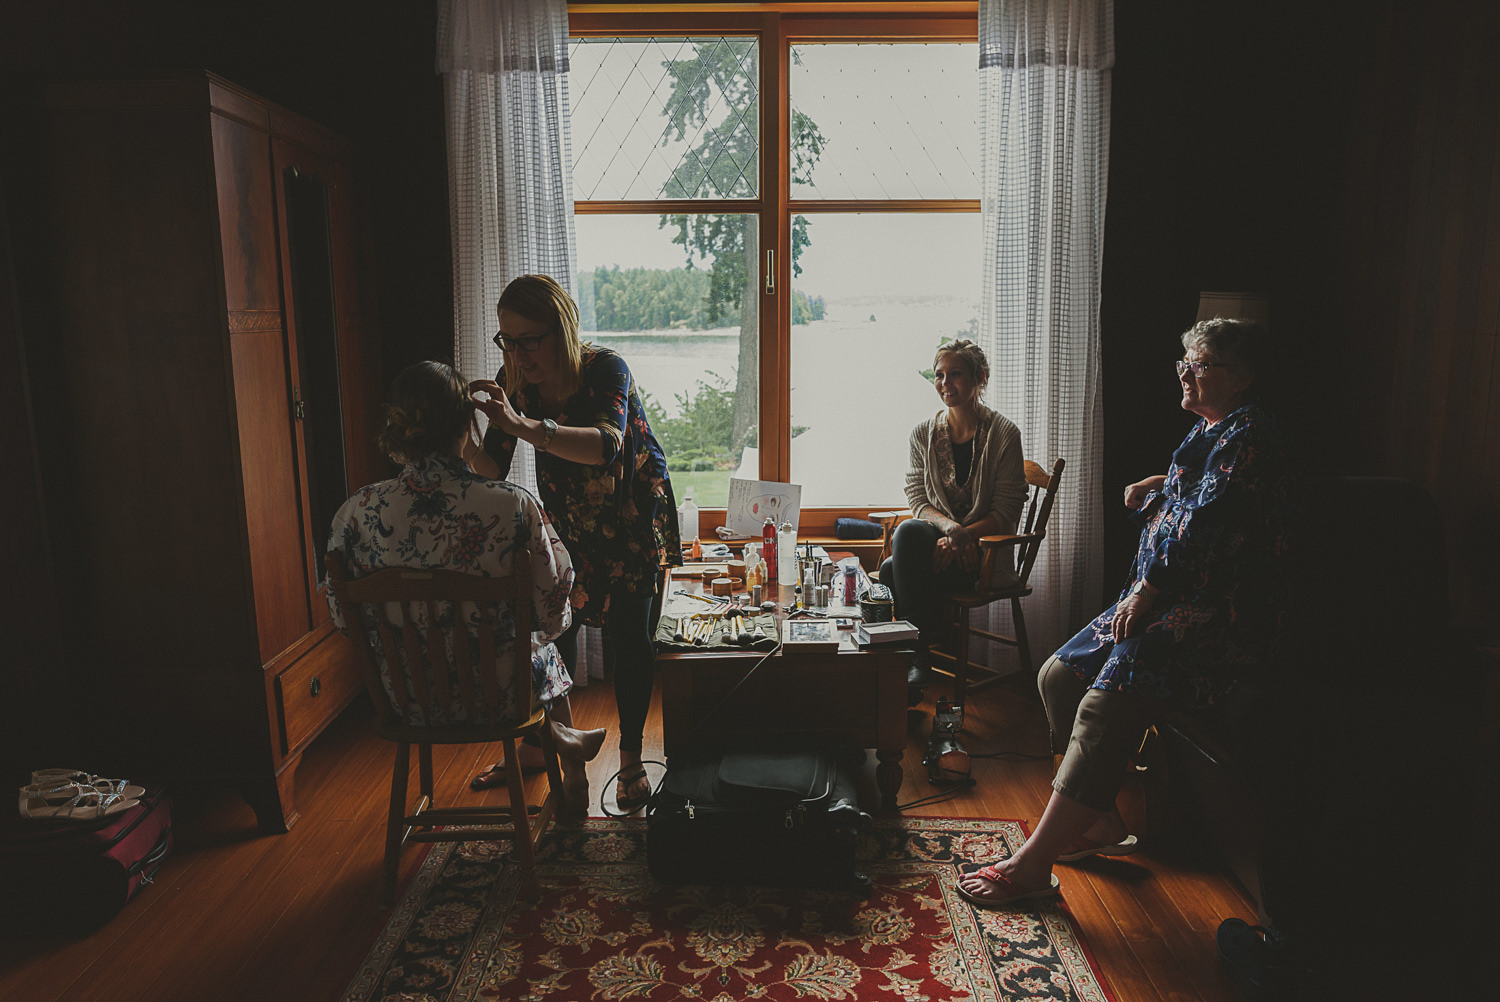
(429, 408)
(1238, 343)
(970, 356)
(541, 299)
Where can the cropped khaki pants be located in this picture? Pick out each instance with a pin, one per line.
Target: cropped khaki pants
(1095, 732)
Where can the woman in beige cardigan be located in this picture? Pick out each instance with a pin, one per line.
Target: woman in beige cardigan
(966, 480)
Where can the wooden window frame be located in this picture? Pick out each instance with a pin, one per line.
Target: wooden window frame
(778, 26)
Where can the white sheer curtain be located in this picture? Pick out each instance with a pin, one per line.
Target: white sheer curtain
(510, 177)
(1044, 164)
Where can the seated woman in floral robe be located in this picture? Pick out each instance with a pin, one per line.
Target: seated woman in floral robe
(438, 513)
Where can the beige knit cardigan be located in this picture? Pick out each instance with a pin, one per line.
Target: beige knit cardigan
(997, 481)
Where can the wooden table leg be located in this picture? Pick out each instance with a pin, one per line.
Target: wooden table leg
(888, 778)
(676, 684)
(890, 727)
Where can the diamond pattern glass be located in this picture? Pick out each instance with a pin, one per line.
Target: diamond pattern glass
(891, 121)
(658, 118)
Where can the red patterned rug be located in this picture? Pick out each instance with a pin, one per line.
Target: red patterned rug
(605, 930)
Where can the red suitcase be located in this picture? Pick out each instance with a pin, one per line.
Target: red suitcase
(73, 876)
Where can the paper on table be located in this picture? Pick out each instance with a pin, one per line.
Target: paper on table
(751, 501)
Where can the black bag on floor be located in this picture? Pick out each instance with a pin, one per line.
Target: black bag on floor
(75, 875)
(756, 818)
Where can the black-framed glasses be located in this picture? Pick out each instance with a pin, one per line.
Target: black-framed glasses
(1199, 368)
(519, 343)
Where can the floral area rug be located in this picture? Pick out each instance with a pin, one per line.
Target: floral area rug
(604, 929)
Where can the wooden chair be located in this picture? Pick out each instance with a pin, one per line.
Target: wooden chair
(429, 702)
(1004, 572)
(888, 521)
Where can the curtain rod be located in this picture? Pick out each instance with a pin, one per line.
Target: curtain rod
(787, 7)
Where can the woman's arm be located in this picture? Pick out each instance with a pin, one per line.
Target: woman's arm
(1135, 494)
(1219, 507)
(1008, 489)
(551, 574)
(577, 445)
(924, 507)
(916, 472)
(1130, 611)
(1007, 496)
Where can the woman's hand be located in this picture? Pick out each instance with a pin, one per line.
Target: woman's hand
(942, 555)
(1135, 494)
(1130, 611)
(498, 407)
(965, 547)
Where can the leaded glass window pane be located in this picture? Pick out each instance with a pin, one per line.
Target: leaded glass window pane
(673, 118)
(893, 121)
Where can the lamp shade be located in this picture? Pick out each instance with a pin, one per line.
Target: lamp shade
(1231, 305)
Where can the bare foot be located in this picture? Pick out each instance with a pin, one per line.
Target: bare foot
(998, 884)
(575, 798)
(1109, 829)
(632, 788)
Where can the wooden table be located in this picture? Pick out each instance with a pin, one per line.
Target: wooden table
(850, 696)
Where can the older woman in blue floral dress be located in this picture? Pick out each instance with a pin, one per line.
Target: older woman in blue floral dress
(437, 513)
(1201, 610)
(602, 476)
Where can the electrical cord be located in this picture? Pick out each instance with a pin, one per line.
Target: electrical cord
(936, 798)
(654, 790)
(1009, 754)
(698, 727)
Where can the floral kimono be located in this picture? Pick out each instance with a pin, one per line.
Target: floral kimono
(438, 514)
(619, 520)
(1214, 542)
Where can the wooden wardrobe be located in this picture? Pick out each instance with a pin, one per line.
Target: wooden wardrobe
(205, 385)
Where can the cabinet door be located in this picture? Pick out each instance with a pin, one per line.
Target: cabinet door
(258, 350)
(305, 183)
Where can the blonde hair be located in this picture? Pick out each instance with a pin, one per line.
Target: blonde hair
(539, 298)
(429, 408)
(970, 356)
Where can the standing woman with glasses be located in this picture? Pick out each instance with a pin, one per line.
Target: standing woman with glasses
(603, 479)
(1200, 611)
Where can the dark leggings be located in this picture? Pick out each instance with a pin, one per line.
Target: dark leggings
(916, 589)
(628, 659)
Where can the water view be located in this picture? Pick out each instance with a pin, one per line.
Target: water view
(857, 387)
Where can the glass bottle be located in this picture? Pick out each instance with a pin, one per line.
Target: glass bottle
(786, 555)
(687, 519)
(768, 548)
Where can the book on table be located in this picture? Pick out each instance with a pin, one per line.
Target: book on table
(897, 631)
(806, 636)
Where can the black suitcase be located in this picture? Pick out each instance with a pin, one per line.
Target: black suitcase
(73, 876)
(756, 818)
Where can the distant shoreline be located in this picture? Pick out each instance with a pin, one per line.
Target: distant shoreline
(666, 332)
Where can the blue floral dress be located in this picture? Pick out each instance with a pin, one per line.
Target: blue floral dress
(437, 513)
(619, 520)
(1214, 541)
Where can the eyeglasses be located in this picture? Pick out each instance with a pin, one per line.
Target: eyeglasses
(1199, 368)
(527, 344)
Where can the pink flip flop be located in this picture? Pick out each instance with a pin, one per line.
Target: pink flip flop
(1010, 893)
(1082, 848)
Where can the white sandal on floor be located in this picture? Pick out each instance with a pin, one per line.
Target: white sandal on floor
(55, 780)
(74, 801)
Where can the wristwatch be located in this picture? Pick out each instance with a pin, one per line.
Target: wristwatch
(549, 428)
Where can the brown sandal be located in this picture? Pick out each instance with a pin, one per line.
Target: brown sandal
(623, 800)
(494, 776)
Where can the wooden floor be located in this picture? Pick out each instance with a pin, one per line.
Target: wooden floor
(239, 917)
